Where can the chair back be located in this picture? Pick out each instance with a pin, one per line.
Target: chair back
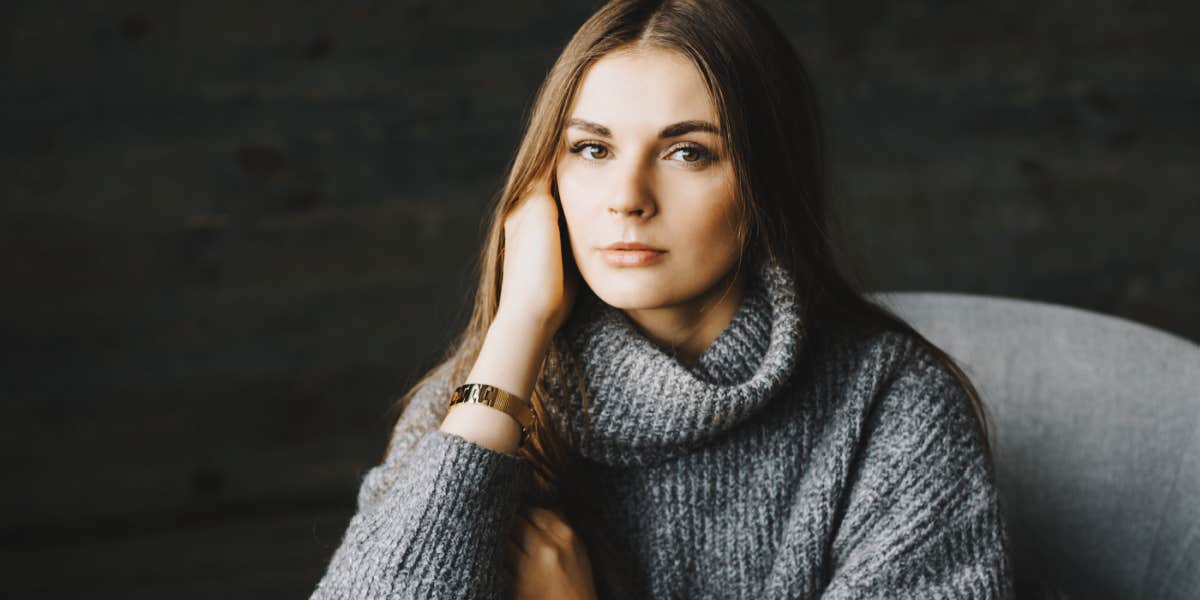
(1096, 436)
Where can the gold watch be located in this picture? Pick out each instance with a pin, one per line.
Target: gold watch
(499, 399)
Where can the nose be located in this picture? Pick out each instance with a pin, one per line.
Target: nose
(631, 195)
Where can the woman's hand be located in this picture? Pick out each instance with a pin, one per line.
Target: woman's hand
(540, 278)
(547, 559)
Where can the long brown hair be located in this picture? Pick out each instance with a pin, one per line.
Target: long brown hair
(773, 134)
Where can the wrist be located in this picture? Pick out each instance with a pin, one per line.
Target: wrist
(495, 397)
(537, 328)
(483, 425)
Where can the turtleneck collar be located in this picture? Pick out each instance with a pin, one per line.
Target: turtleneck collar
(644, 406)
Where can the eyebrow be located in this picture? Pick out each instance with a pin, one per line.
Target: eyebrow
(670, 131)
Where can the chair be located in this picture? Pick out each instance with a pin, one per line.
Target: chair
(1096, 433)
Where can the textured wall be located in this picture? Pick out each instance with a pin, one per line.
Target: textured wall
(233, 232)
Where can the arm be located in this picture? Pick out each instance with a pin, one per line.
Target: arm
(433, 518)
(922, 518)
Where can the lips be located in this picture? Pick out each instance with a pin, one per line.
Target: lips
(632, 246)
(631, 254)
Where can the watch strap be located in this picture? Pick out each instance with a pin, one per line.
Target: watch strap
(499, 399)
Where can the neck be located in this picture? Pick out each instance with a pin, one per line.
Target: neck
(687, 329)
(622, 400)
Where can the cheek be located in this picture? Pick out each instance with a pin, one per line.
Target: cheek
(566, 181)
(713, 235)
(711, 220)
(575, 195)
(573, 184)
(569, 198)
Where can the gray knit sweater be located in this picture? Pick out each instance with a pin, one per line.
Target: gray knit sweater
(776, 466)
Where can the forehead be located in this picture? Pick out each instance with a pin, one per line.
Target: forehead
(643, 89)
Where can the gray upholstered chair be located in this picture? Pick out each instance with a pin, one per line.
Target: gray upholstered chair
(1096, 431)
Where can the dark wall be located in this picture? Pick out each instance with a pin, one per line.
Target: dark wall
(233, 232)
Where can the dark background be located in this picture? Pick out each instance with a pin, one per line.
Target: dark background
(234, 232)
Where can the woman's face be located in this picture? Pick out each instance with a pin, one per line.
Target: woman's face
(641, 160)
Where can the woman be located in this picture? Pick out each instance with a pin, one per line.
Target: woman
(699, 403)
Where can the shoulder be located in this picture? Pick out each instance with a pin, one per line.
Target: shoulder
(422, 406)
(426, 397)
(916, 459)
(906, 423)
(435, 383)
(892, 358)
(902, 383)
(917, 371)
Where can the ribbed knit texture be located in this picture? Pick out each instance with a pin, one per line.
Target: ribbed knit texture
(776, 466)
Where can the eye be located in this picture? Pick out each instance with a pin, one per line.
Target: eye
(694, 154)
(582, 149)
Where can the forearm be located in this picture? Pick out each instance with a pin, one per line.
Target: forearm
(510, 358)
(435, 532)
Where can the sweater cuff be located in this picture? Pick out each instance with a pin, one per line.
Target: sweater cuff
(436, 529)
(465, 498)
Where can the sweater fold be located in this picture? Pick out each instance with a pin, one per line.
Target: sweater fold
(643, 405)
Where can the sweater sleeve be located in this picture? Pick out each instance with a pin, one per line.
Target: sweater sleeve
(432, 518)
(922, 518)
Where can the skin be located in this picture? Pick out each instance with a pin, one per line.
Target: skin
(547, 559)
(626, 183)
(618, 180)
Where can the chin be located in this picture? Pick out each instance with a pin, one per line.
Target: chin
(629, 290)
(630, 302)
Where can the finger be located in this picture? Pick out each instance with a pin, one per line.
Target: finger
(540, 183)
(533, 537)
(529, 516)
(547, 170)
(551, 523)
(545, 515)
(531, 533)
(534, 186)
